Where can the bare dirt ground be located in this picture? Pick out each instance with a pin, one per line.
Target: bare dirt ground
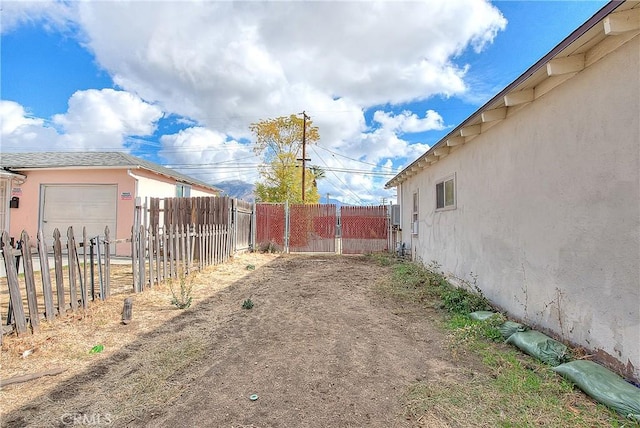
(322, 347)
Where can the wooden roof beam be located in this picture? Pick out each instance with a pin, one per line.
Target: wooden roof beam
(566, 65)
(621, 22)
(455, 141)
(471, 130)
(495, 114)
(518, 97)
(441, 151)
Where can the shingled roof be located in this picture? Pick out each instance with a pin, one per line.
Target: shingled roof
(67, 160)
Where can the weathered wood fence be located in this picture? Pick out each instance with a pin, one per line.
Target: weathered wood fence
(72, 296)
(173, 237)
(170, 237)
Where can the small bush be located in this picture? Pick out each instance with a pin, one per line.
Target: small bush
(247, 304)
(268, 247)
(182, 298)
(466, 329)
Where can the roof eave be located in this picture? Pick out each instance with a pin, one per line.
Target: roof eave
(470, 122)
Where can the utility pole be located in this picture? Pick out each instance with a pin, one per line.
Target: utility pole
(304, 151)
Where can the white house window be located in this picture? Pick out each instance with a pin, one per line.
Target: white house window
(446, 193)
(414, 216)
(183, 190)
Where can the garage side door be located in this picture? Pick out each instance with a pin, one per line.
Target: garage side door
(92, 206)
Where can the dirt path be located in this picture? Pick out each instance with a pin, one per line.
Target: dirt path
(322, 347)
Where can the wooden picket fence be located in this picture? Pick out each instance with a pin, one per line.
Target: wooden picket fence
(71, 296)
(173, 237)
(161, 254)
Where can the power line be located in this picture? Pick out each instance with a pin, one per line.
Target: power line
(352, 159)
(346, 186)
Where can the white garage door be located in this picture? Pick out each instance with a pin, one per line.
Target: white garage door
(93, 206)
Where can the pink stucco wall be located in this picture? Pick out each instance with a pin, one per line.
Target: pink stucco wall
(142, 184)
(27, 216)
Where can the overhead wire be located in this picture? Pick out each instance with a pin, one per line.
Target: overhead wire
(357, 198)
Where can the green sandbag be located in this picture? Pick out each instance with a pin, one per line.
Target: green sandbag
(481, 315)
(604, 386)
(540, 346)
(510, 327)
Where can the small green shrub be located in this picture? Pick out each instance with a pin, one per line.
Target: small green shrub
(268, 247)
(181, 298)
(466, 329)
(247, 304)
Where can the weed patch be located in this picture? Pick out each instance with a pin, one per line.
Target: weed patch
(182, 297)
(514, 390)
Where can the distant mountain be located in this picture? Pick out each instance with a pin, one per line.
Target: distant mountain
(323, 200)
(237, 189)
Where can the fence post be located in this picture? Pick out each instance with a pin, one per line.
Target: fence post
(100, 272)
(14, 286)
(165, 251)
(234, 222)
(254, 227)
(71, 250)
(107, 262)
(201, 255)
(57, 261)
(85, 291)
(150, 246)
(287, 226)
(32, 302)
(141, 259)
(46, 277)
(135, 236)
(156, 240)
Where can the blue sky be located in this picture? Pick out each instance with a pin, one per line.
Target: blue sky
(179, 82)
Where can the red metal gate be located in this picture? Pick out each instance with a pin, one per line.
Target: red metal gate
(312, 228)
(270, 230)
(364, 229)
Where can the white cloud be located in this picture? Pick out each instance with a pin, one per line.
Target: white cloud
(50, 13)
(22, 132)
(226, 64)
(223, 65)
(103, 119)
(14, 117)
(209, 155)
(408, 122)
(96, 120)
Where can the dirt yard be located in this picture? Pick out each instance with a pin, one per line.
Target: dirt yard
(322, 346)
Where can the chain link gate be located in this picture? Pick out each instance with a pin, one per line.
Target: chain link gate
(364, 229)
(270, 227)
(322, 228)
(312, 228)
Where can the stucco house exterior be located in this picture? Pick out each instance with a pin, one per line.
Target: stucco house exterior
(537, 193)
(91, 189)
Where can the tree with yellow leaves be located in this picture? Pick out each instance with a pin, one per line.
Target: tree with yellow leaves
(279, 141)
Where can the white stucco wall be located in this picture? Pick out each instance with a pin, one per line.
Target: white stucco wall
(156, 186)
(548, 211)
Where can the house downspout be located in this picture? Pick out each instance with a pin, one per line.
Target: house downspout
(130, 174)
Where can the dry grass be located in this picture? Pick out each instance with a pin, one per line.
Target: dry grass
(66, 342)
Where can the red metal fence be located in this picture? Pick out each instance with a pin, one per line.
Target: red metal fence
(315, 228)
(270, 227)
(364, 229)
(312, 228)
